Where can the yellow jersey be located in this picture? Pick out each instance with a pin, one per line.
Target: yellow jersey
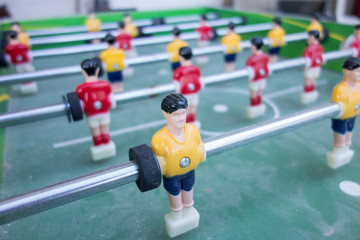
(113, 59)
(173, 49)
(349, 99)
(178, 158)
(131, 29)
(24, 38)
(277, 37)
(315, 26)
(232, 43)
(93, 25)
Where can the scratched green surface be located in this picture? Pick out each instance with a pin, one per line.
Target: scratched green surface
(279, 188)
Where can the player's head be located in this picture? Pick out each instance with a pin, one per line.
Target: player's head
(176, 31)
(90, 67)
(186, 53)
(357, 31)
(173, 102)
(231, 26)
(277, 21)
(92, 15)
(15, 26)
(110, 39)
(257, 42)
(351, 68)
(313, 36)
(203, 18)
(13, 35)
(315, 17)
(121, 25)
(127, 18)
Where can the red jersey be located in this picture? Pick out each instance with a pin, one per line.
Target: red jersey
(314, 53)
(205, 33)
(259, 63)
(124, 41)
(188, 78)
(19, 53)
(356, 44)
(95, 96)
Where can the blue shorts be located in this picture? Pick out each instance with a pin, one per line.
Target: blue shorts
(180, 182)
(274, 51)
(229, 58)
(343, 126)
(175, 65)
(115, 76)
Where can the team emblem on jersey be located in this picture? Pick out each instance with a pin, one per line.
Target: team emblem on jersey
(262, 72)
(97, 105)
(115, 66)
(357, 106)
(318, 61)
(184, 162)
(19, 58)
(191, 87)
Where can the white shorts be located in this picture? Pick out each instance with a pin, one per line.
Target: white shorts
(257, 85)
(312, 72)
(99, 119)
(24, 67)
(203, 43)
(193, 99)
(131, 53)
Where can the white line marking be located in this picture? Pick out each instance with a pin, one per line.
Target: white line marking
(114, 133)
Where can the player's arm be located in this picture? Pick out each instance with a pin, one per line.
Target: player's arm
(200, 146)
(159, 154)
(339, 97)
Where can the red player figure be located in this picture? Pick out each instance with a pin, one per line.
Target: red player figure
(356, 43)
(313, 53)
(18, 54)
(257, 65)
(346, 94)
(205, 35)
(95, 96)
(124, 41)
(187, 79)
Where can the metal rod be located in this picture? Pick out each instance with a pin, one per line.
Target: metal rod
(146, 30)
(65, 192)
(15, 118)
(147, 41)
(114, 25)
(23, 77)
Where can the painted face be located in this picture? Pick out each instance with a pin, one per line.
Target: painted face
(176, 119)
(354, 74)
(15, 28)
(311, 39)
(357, 33)
(127, 19)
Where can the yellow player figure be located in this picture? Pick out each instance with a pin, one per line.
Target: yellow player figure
(173, 48)
(23, 38)
(276, 35)
(315, 25)
(231, 43)
(179, 150)
(347, 94)
(113, 61)
(130, 27)
(93, 23)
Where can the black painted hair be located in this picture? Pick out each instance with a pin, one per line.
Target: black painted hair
(257, 42)
(316, 16)
(15, 23)
(176, 31)
(277, 20)
(110, 39)
(121, 25)
(351, 63)
(173, 102)
(13, 34)
(126, 15)
(186, 53)
(357, 27)
(315, 34)
(231, 25)
(203, 17)
(90, 66)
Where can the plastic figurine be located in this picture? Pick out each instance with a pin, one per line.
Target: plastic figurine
(313, 53)
(173, 48)
(276, 35)
(179, 150)
(231, 43)
(130, 27)
(124, 41)
(346, 94)
(205, 35)
(95, 96)
(315, 25)
(93, 24)
(22, 36)
(113, 61)
(187, 79)
(18, 54)
(257, 64)
(353, 39)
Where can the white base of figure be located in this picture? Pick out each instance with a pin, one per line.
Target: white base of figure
(256, 111)
(128, 72)
(28, 88)
(309, 97)
(103, 151)
(181, 222)
(202, 60)
(339, 157)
